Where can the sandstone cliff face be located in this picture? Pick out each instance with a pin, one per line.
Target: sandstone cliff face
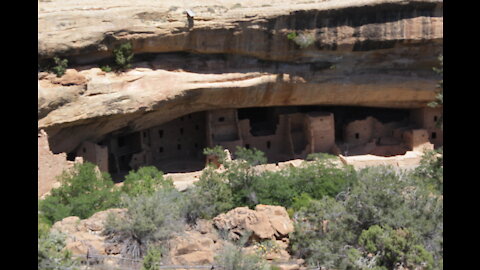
(366, 53)
(50, 165)
(87, 30)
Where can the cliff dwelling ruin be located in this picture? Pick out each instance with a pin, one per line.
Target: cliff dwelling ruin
(360, 87)
(282, 133)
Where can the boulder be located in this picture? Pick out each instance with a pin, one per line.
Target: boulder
(241, 220)
(85, 236)
(265, 222)
(193, 248)
(278, 217)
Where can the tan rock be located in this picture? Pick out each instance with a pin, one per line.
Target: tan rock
(77, 248)
(278, 217)
(71, 77)
(88, 30)
(50, 165)
(196, 258)
(241, 220)
(97, 221)
(68, 225)
(193, 248)
(288, 266)
(84, 236)
(204, 226)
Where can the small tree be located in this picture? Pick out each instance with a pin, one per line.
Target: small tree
(151, 261)
(123, 55)
(60, 66)
(233, 258)
(149, 219)
(397, 247)
(210, 196)
(84, 191)
(145, 181)
(52, 254)
(241, 175)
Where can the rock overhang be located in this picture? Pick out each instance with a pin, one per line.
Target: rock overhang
(368, 53)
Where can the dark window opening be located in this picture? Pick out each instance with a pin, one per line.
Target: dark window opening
(71, 156)
(144, 134)
(124, 161)
(179, 146)
(434, 135)
(268, 144)
(435, 118)
(84, 150)
(160, 133)
(357, 136)
(160, 149)
(221, 119)
(121, 141)
(263, 121)
(112, 168)
(196, 145)
(247, 146)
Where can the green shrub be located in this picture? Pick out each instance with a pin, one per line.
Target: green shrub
(149, 219)
(241, 175)
(303, 39)
(151, 261)
(123, 55)
(217, 151)
(292, 35)
(52, 254)
(252, 156)
(274, 188)
(249, 186)
(316, 179)
(145, 181)
(430, 171)
(381, 198)
(210, 196)
(322, 177)
(232, 258)
(302, 201)
(83, 192)
(321, 233)
(44, 225)
(396, 246)
(60, 66)
(106, 68)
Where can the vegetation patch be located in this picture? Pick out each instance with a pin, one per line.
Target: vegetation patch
(122, 58)
(374, 218)
(83, 192)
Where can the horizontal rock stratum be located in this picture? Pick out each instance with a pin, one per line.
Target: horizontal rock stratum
(234, 55)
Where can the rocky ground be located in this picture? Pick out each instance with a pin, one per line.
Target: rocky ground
(197, 244)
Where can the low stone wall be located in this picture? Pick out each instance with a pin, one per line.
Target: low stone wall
(410, 160)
